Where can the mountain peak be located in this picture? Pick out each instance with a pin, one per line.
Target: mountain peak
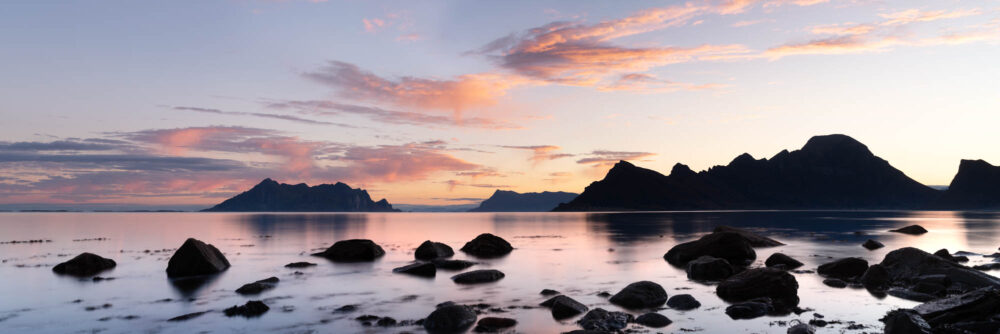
(834, 142)
(511, 201)
(681, 169)
(269, 195)
(742, 159)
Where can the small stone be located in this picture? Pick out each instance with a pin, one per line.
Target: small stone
(872, 244)
(253, 308)
(478, 276)
(683, 302)
(654, 320)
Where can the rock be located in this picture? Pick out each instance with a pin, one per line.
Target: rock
(299, 265)
(386, 322)
(430, 250)
(944, 254)
(683, 302)
(778, 285)
(872, 245)
(422, 269)
(910, 295)
(755, 240)
(748, 310)
(782, 261)
(450, 319)
(602, 320)
(196, 258)
(639, 295)
(478, 276)
(987, 267)
(354, 250)
(707, 268)
(452, 264)
(549, 292)
(258, 286)
(188, 316)
(730, 246)
(906, 265)
(846, 268)
(912, 229)
(85, 264)
(564, 307)
(487, 246)
(836, 283)
(253, 308)
(493, 324)
(801, 329)
(977, 305)
(654, 320)
(905, 321)
(876, 277)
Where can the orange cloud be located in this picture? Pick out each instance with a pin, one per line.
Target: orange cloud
(541, 153)
(603, 158)
(373, 25)
(647, 83)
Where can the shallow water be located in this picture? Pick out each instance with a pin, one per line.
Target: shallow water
(579, 254)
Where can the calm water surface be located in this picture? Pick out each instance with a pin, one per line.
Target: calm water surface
(579, 254)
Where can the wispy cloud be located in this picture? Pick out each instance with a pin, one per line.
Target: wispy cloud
(290, 118)
(602, 158)
(331, 108)
(540, 153)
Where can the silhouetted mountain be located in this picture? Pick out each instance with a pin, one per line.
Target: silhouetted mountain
(509, 201)
(270, 195)
(829, 172)
(976, 186)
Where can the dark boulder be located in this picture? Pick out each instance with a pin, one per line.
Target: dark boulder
(85, 264)
(801, 329)
(876, 277)
(639, 295)
(707, 268)
(549, 292)
(748, 310)
(258, 286)
(912, 229)
(782, 261)
(494, 324)
(654, 320)
(730, 246)
(835, 283)
(907, 294)
(977, 305)
(478, 276)
(450, 318)
(872, 245)
(905, 321)
(755, 240)
(846, 268)
(780, 286)
(564, 307)
(422, 269)
(299, 265)
(487, 246)
(354, 250)
(683, 302)
(430, 250)
(452, 264)
(253, 308)
(944, 254)
(602, 320)
(906, 265)
(196, 258)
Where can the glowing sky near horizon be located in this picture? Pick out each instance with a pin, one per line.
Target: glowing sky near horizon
(190, 102)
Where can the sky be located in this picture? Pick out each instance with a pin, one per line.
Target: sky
(186, 103)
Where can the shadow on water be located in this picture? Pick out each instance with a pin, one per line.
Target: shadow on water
(188, 287)
(338, 224)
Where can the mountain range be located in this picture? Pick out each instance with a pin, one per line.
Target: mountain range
(509, 201)
(269, 195)
(829, 172)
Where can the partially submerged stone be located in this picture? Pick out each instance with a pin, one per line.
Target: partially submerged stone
(780, 286)
(782, 261)
(487, 245)
(912, 230)
(654, 320)
(430, 250)
(730, 246)
(683, 302)
(354, 250)
(85, 264)
(846, 268)
(602, 320)
(639, 295)
(872, 245)
(478, 276)
(258, 286)
(707, 268)
(444, 264)
(196, 258)
(450, 318)
(422, 269)
(756, 240)
(253, 308)
(564, 307)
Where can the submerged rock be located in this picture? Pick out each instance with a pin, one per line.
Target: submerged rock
(907, 265)
(487, 246)
(299, 265)
(85, 264)
(478, 276)
(258, 286)
(730, 246)
(912, 229)
(846, 268)
(494, 324)
(835, 283)
(683, 302)
(905, 321)
(801, 329)
(450, 319)
(749, 310)
(780, 286)
(196, 258)
(564, 307)
(755, 240)
(872, 245)
(707, 268)
(654, 320)
(422, 269)
(549, 292)
(354, 250)
(782, 261)
(602, 320)
(253, 308)
(452, 264)
(638, 295)
(430, 250)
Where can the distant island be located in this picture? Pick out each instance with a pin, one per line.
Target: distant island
(829, 172)
(510, 201)
(269, 195)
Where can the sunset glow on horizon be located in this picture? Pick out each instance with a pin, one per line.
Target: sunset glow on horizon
(440, 103)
